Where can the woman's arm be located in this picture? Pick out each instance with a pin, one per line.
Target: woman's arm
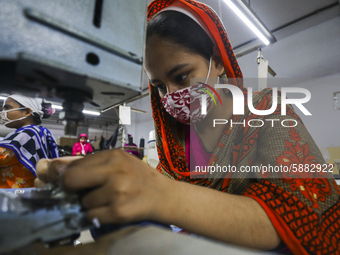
(90, 149)
(13, 173)
(128, 190)
(230, 218)
(7, 157)
(75, 149)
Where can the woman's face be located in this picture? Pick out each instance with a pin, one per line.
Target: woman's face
(11, 104)
(170, 66)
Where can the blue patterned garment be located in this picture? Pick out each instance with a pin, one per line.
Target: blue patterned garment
(31, 143)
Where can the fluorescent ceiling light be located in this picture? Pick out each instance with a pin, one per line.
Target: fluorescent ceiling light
(59, 107)
(247, 21)
(91, 112)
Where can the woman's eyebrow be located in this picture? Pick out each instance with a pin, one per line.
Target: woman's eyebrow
(175, 69)
(171, 72)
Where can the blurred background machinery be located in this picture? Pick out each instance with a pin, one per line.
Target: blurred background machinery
(76, 53)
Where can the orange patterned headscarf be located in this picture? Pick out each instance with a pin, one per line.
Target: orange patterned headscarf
(171, 152)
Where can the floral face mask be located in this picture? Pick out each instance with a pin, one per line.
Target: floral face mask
(186, 104)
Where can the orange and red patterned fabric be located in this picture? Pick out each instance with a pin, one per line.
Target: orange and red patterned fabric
(303, 207)
(13, 174)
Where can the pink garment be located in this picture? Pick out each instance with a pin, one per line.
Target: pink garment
(78, 147)
(194, 149)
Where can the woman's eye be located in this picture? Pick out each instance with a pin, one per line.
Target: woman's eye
(181, 77)
(161, 88)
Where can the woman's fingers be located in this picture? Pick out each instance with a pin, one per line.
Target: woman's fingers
(56, 167)
(92, 171)
(96, 198)
(107, 214)
(41, 168)
(115, 187)
(80, 177)
(103, 214)
(49, 170)
(39, 183)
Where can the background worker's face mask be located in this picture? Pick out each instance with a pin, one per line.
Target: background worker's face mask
(6, 120)
(185, 105)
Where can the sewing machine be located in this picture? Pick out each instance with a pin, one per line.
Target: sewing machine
(49, 215)
(54, 218)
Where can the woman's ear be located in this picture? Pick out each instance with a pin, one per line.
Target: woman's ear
(218, 61)
(28, 111)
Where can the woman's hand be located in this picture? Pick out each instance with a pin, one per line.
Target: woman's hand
(50, 170)
(118, 187)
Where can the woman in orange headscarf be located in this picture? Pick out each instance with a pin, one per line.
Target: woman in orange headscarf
(187, 41)
(302, 210)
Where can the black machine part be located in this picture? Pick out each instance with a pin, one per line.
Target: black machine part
(48, 215)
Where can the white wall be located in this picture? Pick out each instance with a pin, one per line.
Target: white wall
(312, 53)
(324, 124)
(309, 59)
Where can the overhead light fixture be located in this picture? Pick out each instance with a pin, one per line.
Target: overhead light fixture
(251, 20)
(91, 112)
(59, 107)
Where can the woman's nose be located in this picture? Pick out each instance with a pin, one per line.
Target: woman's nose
(172, 88)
